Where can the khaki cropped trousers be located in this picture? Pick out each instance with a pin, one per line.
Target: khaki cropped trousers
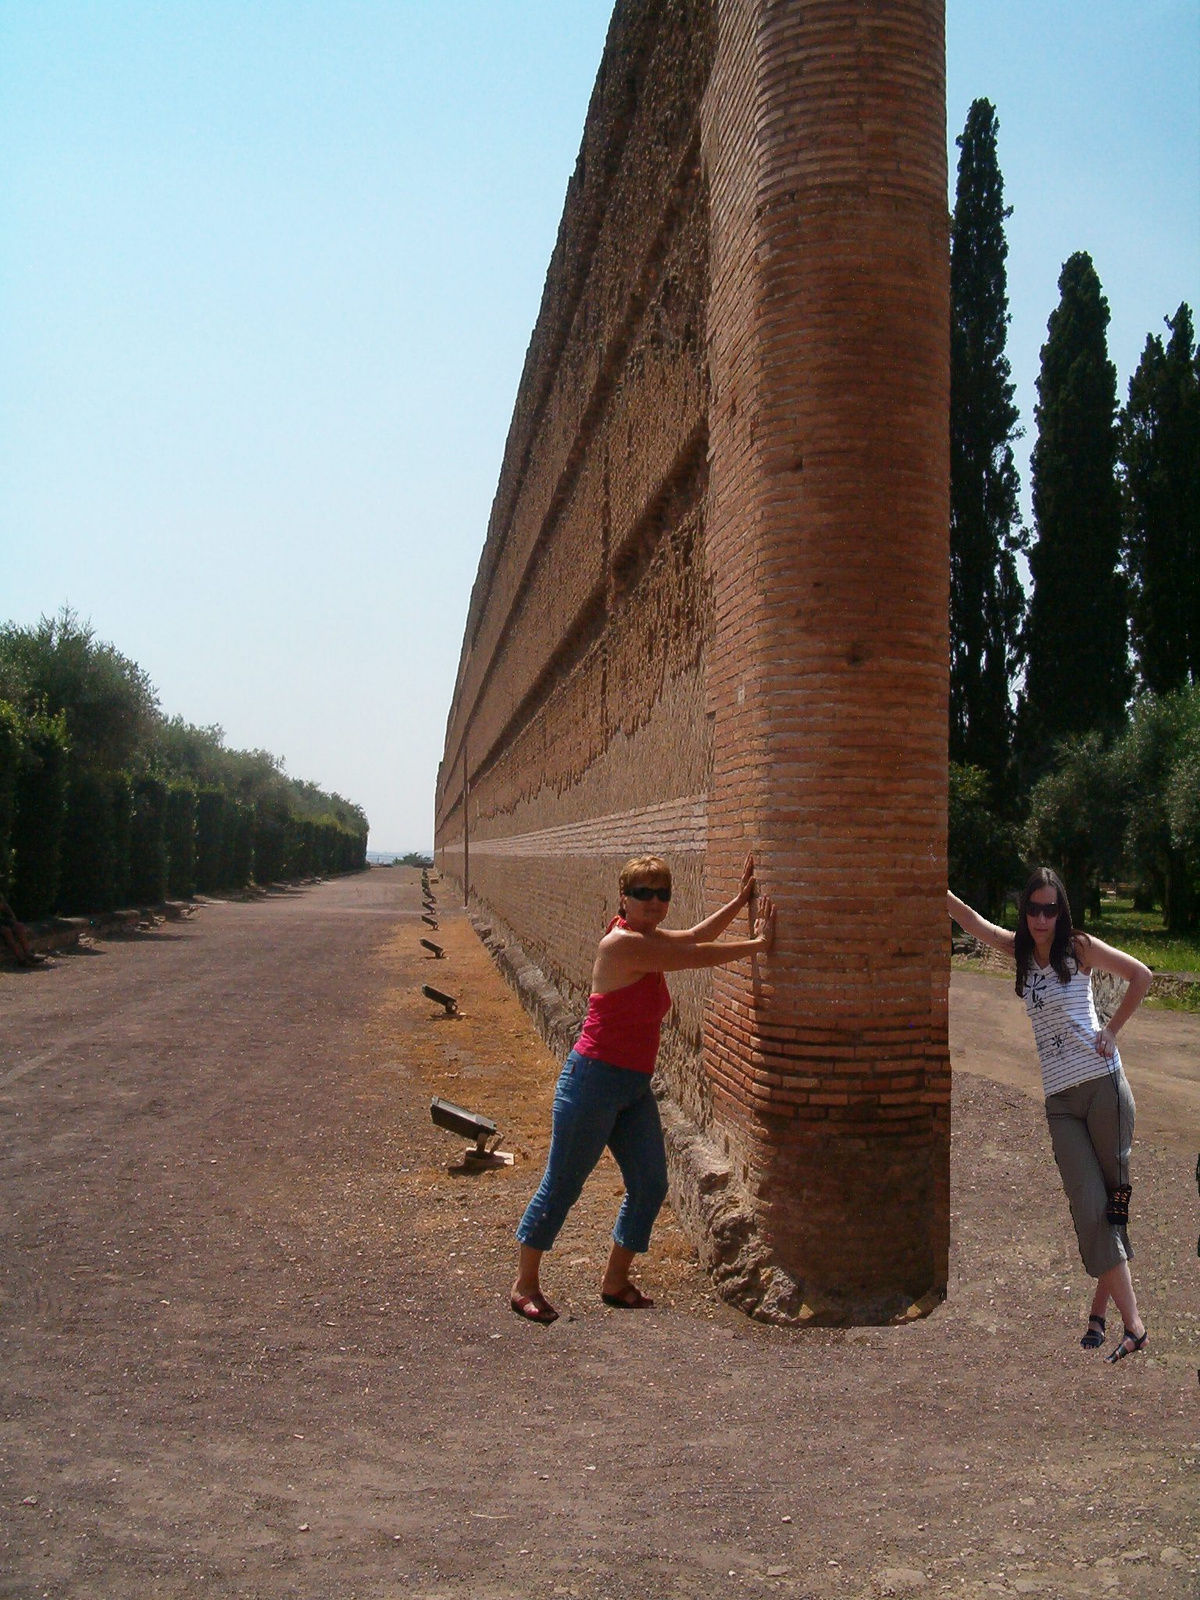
(1091, 1129)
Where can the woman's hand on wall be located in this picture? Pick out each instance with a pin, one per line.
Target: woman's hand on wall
(749, 887)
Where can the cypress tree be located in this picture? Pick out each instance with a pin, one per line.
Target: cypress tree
(986, 600)
(1160, 459)
(1077, 676)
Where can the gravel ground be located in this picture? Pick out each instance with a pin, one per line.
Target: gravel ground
(256, 1338)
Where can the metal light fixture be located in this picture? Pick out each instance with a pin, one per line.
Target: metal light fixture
(471, 1126)
(446, 1000)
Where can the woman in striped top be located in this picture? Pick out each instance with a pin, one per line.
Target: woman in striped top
(1089, 1106)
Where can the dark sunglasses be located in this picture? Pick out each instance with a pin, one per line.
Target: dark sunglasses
(643, 891)
(1039, 908)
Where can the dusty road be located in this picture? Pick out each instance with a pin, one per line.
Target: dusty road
(256, 1340)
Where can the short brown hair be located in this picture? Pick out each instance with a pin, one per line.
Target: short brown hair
(643, 867)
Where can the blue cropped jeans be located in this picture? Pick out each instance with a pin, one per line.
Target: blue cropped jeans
(595, 1105)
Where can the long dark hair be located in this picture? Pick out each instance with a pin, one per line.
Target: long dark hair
(1064, 957)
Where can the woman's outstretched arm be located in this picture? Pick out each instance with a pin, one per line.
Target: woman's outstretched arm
(713, 927)
(979, 927)
(665, 951)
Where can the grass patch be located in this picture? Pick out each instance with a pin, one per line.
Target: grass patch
(1135, 931)
(1178, 1002)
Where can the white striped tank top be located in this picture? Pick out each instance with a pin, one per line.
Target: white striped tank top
(1065, 1026)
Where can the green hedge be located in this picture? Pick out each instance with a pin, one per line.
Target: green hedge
(148, 843)
(121, 788)
(328, 844)
(224, 842)
(303, 862)
(214, 818)
(181, 842)
(272, 830)
(240, 868)
(37, 826)
(11, 746)
(80, 841)
(105, 802)
(95, 860)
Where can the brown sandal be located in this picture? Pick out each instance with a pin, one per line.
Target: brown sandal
(630, 1298)
(533, 1308)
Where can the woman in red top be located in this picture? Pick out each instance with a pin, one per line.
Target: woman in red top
(603, 1095)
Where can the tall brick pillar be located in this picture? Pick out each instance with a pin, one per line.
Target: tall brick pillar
(824, 143)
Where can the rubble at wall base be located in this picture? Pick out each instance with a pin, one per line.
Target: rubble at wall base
(718, 1216)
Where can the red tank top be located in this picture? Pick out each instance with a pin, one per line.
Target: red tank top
(622, 1027)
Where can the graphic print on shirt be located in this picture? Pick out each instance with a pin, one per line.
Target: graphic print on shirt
(1036, 990)
(1065, 1026)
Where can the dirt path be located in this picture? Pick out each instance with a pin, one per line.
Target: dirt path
(255, 1338)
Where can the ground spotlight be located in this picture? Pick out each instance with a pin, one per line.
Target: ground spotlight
(447, 1000)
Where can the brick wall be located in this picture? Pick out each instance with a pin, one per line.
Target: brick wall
(711, 614)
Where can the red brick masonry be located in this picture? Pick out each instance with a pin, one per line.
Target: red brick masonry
(711, 614)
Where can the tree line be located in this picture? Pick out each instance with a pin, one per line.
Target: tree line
(1075, 709)
(106, 802)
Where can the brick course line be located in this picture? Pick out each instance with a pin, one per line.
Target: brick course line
(674, 827)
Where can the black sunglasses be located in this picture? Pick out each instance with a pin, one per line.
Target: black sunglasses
(643, 891)
(1041, 908)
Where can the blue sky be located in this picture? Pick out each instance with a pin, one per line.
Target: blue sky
(267, 277)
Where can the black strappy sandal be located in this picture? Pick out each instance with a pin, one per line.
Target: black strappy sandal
(1094, 1337)
(1129, 1346)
